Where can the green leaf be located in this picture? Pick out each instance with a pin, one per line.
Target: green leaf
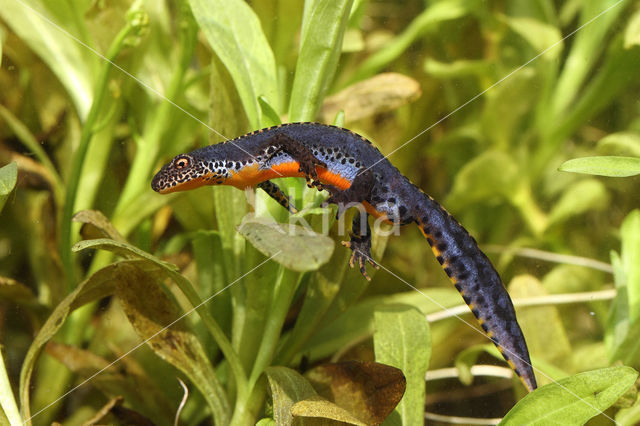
(96, 225)
(8, 178)
(171, 271)
(507, 104)
(72, 63)
(357, 323)
(620, 143)
(323, 27)
(491, 174)
(97, 286)
(581, 197)
(630, 254)
(629, 416)
(402, 339)
(632, 32)
(293, 246)
(270, 116)
(539, 335)
(156, 320)
(611, 166)
(287, 387)
(540, 35)
(428, 20)
(574, 400)
(319, 408)
(585, 50)
(235, 34)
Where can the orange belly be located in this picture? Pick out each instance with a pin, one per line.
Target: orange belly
(252, 175)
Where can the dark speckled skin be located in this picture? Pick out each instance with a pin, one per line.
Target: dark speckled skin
(348, 155)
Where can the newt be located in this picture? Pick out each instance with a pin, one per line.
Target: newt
(353, 171)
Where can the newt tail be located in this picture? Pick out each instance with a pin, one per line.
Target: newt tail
(354, 171)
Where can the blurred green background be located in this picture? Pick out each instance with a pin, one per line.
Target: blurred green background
(477, 102)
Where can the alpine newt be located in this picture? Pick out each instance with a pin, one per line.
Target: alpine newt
(354, 171)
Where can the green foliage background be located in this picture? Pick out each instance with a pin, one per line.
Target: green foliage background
(95, 96)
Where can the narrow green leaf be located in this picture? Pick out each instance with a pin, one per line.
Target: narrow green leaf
(23, 133)
(585, 50)
(574, 400)
(291, 245)
(8, 178)
(402, 339)
(618, 321)
(235, 34)
(632, 32)
(72, 63)
(323, 26)
(611, 166)
(540, 35)
(507, 104)
(609, 81)
(270, 116)
(622, 337)
(428, 20)
(630, 254)
(231, 207)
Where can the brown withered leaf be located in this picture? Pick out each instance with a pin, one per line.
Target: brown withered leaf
(15, 291)
(381, 93)
(368, 390)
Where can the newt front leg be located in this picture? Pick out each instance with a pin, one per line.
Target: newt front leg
(300, 153)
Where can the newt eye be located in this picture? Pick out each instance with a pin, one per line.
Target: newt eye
(182, 163)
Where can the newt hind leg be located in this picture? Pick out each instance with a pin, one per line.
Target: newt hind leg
(360, 244)
(360, 239)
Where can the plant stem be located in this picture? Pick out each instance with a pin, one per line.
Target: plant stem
(284, 289)
(79, 156)
(150, 144)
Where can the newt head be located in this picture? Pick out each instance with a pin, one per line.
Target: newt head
(185, 172)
